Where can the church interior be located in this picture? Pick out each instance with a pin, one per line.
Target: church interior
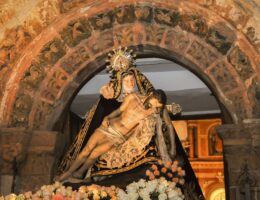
(205, 55)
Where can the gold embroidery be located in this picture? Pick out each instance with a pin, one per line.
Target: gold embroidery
(74, 149)
(116, 171)
(132, 148)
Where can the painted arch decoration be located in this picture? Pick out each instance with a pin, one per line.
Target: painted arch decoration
(72, 48)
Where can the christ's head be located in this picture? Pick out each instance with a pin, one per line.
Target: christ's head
(157, 100)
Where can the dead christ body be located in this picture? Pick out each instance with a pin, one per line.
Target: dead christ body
(115, 129)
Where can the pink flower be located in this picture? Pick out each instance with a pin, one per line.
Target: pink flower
(181, 173)
(57, 196)
(176, 162)
(151, 176)
(175, 180)
(174, 168)
(154, 167)
(164, 170)
(168, 164)
(169, 175)
(182, 181)
(28, 195)
(148, 172)
(160, 162)
(156, 173)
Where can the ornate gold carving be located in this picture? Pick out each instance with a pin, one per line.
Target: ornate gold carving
(120, 60)
(132, 149)
(116, 171)
(174, 108)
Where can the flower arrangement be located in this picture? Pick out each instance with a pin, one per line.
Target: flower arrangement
(163, 181)
(59, 192)
(170, 170)
(151, 190)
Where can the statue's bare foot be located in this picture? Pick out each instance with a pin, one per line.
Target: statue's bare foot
(62, 177)
(77, 175)
(77, 180)
(74, 180)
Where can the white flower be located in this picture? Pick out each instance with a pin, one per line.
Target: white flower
(57, 184)
(141, 183)
(43, 187)
(161, 188)
(38, 193)
(133, 196)
(164, 182)
(103, 194)
(121, 195)
(172, 194)
(151, 185)
(162, 196)
(172, 185)
(10, 197)
(132, 188)
(144, 193)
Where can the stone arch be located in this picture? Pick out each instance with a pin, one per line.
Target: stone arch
(73, 48)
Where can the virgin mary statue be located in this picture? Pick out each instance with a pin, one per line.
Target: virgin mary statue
(152, 140)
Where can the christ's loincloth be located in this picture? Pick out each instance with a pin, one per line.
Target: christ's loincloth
(131, 151)
(113, 135)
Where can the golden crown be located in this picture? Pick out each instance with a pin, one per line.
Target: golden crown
(120, 60)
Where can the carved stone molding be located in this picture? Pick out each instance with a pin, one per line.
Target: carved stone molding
(241, 144)
(241, 134)
(193, 36)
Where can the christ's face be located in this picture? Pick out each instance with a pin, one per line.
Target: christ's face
(128, 83)
(155, 103)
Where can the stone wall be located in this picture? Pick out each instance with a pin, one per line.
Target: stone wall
(241, 155)
(27, 158)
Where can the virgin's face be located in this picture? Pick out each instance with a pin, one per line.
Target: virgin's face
(128, 83)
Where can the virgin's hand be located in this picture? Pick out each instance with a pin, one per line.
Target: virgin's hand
(105, 122)
(107, 91)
